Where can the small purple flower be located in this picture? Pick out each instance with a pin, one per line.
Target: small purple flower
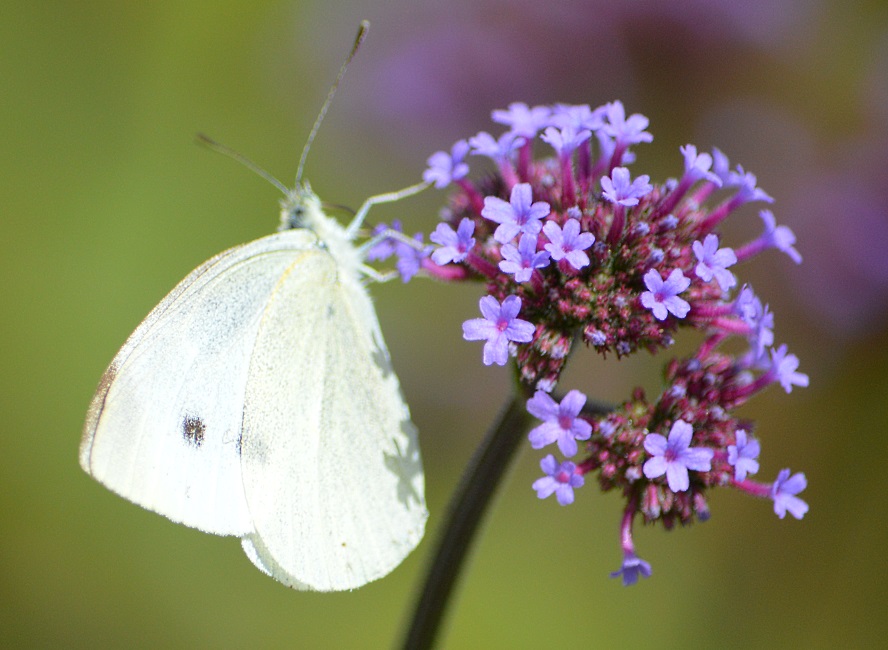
(608, 147)
(625, 131)
(714, 261)
(743, 455)
(524, 259)
(675, 457)
(784, 491)
(522, 120)
(759, 319)
(779, 237)
(560, 479)
(618, 189)
(410, 257)
(384, 248)
(561, 423)
(697, 165)
(747, 304)
(444, 168)
(721, 167)
(578, 116)
(784, 367)
(747, 190)
(632, 568)
(520, 215)
(662, 296)
(499, 326)
(566, 139)
(499, 150)
(455, 245)
(568, 243)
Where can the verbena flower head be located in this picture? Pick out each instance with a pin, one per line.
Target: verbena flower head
(574, 248)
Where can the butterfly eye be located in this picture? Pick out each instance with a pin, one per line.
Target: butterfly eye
(295, 217)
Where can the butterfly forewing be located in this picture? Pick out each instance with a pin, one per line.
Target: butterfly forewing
(164, 427)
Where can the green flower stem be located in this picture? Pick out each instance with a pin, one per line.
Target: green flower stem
(472, 496)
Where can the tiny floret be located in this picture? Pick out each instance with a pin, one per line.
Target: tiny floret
(743, 455)
(579, 116)
(662, 296)
(499, 326)
(522, 120)
(499, 150)
(697, 165)
(779, 237)
(522, 261)
(454, 244)
(566, 139)
(675, 456)
(759, 319)
(384, 247)
(560, 479)
(519, 215)
(714, 261)
(561, 422)
(784, 491)
(721, 166)
(785, 366)
(625, 131)
(409, 256)
(747, 189)
(619, 189)
(633, 567)
(568, 243)
(444, 168)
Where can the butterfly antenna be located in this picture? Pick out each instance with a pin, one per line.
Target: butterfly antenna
(362, 34)
(242, 159)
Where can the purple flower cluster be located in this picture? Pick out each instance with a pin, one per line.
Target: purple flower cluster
(572, 248)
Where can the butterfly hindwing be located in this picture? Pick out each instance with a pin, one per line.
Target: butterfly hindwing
(332, 474)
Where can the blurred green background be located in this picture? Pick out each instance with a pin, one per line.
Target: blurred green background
(107, 203)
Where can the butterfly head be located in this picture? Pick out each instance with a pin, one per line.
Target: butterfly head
(301, 208)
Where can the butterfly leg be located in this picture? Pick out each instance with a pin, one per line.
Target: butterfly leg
(388, 197)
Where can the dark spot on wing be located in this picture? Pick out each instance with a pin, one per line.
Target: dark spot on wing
(193, 429)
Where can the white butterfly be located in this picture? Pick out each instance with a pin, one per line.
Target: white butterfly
(258, 400)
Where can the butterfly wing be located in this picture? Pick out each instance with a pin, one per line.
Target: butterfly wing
(163, 429)
(331, 465)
